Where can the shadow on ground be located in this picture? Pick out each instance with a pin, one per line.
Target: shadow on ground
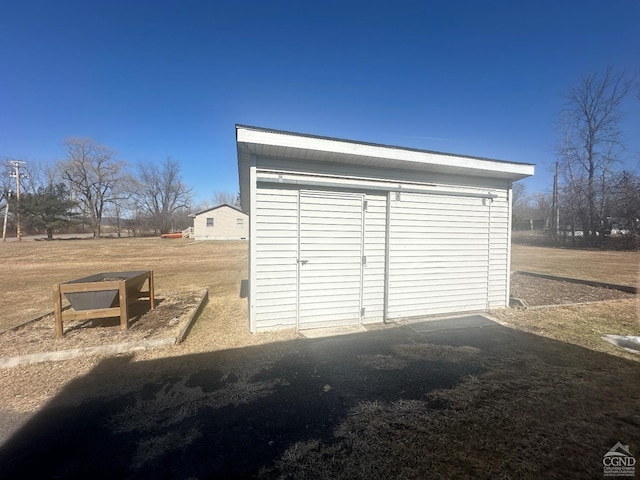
(456, 402)
(136, 310)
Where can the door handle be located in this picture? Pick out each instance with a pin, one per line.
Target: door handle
(303, 262)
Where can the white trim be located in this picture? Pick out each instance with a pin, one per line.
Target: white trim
(305, 180)
(298, 269)
(490, 201)
(253, 242)
(289, 140)
(387, 240)
(509, 219)
(362, 252)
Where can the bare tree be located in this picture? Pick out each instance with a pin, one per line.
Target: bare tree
(228, 198)
(520, 211)
(592, 143)
(39, 174)
(123, 204)
(94, 177)
(202, 205)
(542, 203)
(626, 202)
(161, 193)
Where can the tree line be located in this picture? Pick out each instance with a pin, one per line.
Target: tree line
(90, 185)
(593, 194)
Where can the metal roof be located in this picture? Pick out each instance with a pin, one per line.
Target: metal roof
(193, 215)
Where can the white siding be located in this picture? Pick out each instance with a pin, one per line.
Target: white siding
(330, 286)
(334, 234)
(375, 217)
(274, 293)
(448, 251)
(225, 224)
(439, 253)
(499, 251)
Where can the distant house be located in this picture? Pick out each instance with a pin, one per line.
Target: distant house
(223, 222)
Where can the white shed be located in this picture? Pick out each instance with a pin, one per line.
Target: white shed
(223, 222)
(345, 233)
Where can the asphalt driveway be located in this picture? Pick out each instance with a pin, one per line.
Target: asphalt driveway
(239, 413)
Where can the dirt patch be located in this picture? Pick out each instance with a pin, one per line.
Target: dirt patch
(171, 314)
(541, 291)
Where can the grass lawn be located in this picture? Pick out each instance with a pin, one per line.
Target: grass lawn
(540, 397)
(31, 268)
(582, 325)
(612, 267)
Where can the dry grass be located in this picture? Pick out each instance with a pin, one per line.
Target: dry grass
(529, 415)
(582, 325)
(545, 415)
(549, 411)
(31, 268)
(170, 316)
(542, 291)
(613, 267)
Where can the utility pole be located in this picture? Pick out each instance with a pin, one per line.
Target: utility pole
(555, 211)
(16, 173)
(6, 214)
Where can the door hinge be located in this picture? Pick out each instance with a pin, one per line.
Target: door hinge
(362, 312)
(364, 260)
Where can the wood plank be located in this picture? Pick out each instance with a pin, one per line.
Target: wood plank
(124, 305)
(57, 309)
(87, 314)
(152, 301)
(88, 287)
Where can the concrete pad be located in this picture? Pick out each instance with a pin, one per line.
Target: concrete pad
(332, 332)
(629, 342)
(450, 323)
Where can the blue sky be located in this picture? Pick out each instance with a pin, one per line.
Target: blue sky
(152, 79)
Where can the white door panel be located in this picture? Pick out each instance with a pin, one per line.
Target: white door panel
(330, 259)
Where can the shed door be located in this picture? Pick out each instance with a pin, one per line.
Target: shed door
(330, 259)
(438, 254)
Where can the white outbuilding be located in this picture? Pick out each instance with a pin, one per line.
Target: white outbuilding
(345, 233)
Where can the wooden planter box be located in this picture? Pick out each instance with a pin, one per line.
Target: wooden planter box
(102, 295)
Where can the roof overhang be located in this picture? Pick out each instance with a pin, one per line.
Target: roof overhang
(255, 141)
(210, 209)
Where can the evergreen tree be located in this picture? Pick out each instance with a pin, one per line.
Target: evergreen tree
(48, 208)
